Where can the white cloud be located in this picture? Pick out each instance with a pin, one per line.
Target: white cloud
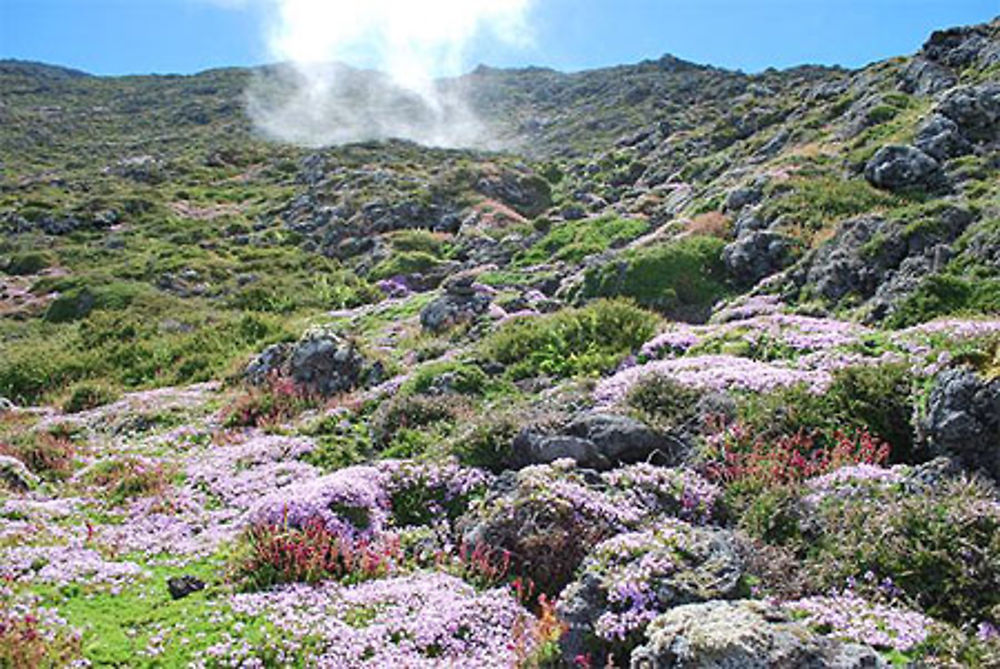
(412, 41)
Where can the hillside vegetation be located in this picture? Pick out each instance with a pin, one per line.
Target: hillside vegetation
(688, 366)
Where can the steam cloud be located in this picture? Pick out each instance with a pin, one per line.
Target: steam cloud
(314, 99)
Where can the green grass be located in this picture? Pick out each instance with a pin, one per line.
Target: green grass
(682, 278)
(575, 240)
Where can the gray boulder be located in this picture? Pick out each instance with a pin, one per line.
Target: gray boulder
(963, 420)
(6, 405)
(450, 310)
(975, 110)
(14, 475)
(897, 167)
(756, 255)
(326, 363)
(321, 362)
(596, 441)
(742, 635)
(629, 579)
(940, 138)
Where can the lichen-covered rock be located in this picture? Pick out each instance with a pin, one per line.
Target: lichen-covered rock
(630, 579)
(742, 635)
(870, 257)
(897, 167)
(756, 255)
(15, 476)
(321, 362)
(963, 420)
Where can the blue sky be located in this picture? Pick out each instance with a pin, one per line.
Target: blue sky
(184, 36)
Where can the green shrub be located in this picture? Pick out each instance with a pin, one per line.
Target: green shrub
(940, 544)
(407, 262)
(462, 378)
(573, 241)
(682, 278)
(662, 402)
(946, 295)
(813, 203)
(878, 399)
(576, 341)
(86, 395)
(29, 262)
(409, 413)
(486, 441)
(71, 306)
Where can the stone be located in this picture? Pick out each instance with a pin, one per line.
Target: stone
(598, 441)
(624, 440)
(975, 110)
(182, 586)
(450, 310)
(756, 255)
(529, 194)
(940, 138)
(321, 362)
(742, 635)
(6, 405)
(925, 77)
(630, 578)
(15, 475)
(897, 167)
(738, 198)
(325, 363)
(963, 420)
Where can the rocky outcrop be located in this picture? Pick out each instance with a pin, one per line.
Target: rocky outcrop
(745, 634)
(596, 441)
(756, 255)
(461, 303)
(631, 578)
(963, 420)
(897, 167)
(321, 362)
(975, 110)
(880, 261)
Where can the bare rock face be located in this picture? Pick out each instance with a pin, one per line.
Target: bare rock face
(963, 420)
(742, 634)
(756, 255)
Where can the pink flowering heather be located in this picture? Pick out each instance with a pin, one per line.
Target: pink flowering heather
(953, 328)
(741, 310)
(351, 503)
(425, 619)
(679, 492)
(62, 565)
(854, 619)
(712, 372)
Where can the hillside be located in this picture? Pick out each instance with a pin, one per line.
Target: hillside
(641, 380)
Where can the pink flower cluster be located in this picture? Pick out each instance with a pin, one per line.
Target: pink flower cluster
(712, 372)
(854, 619)
(426, 619)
